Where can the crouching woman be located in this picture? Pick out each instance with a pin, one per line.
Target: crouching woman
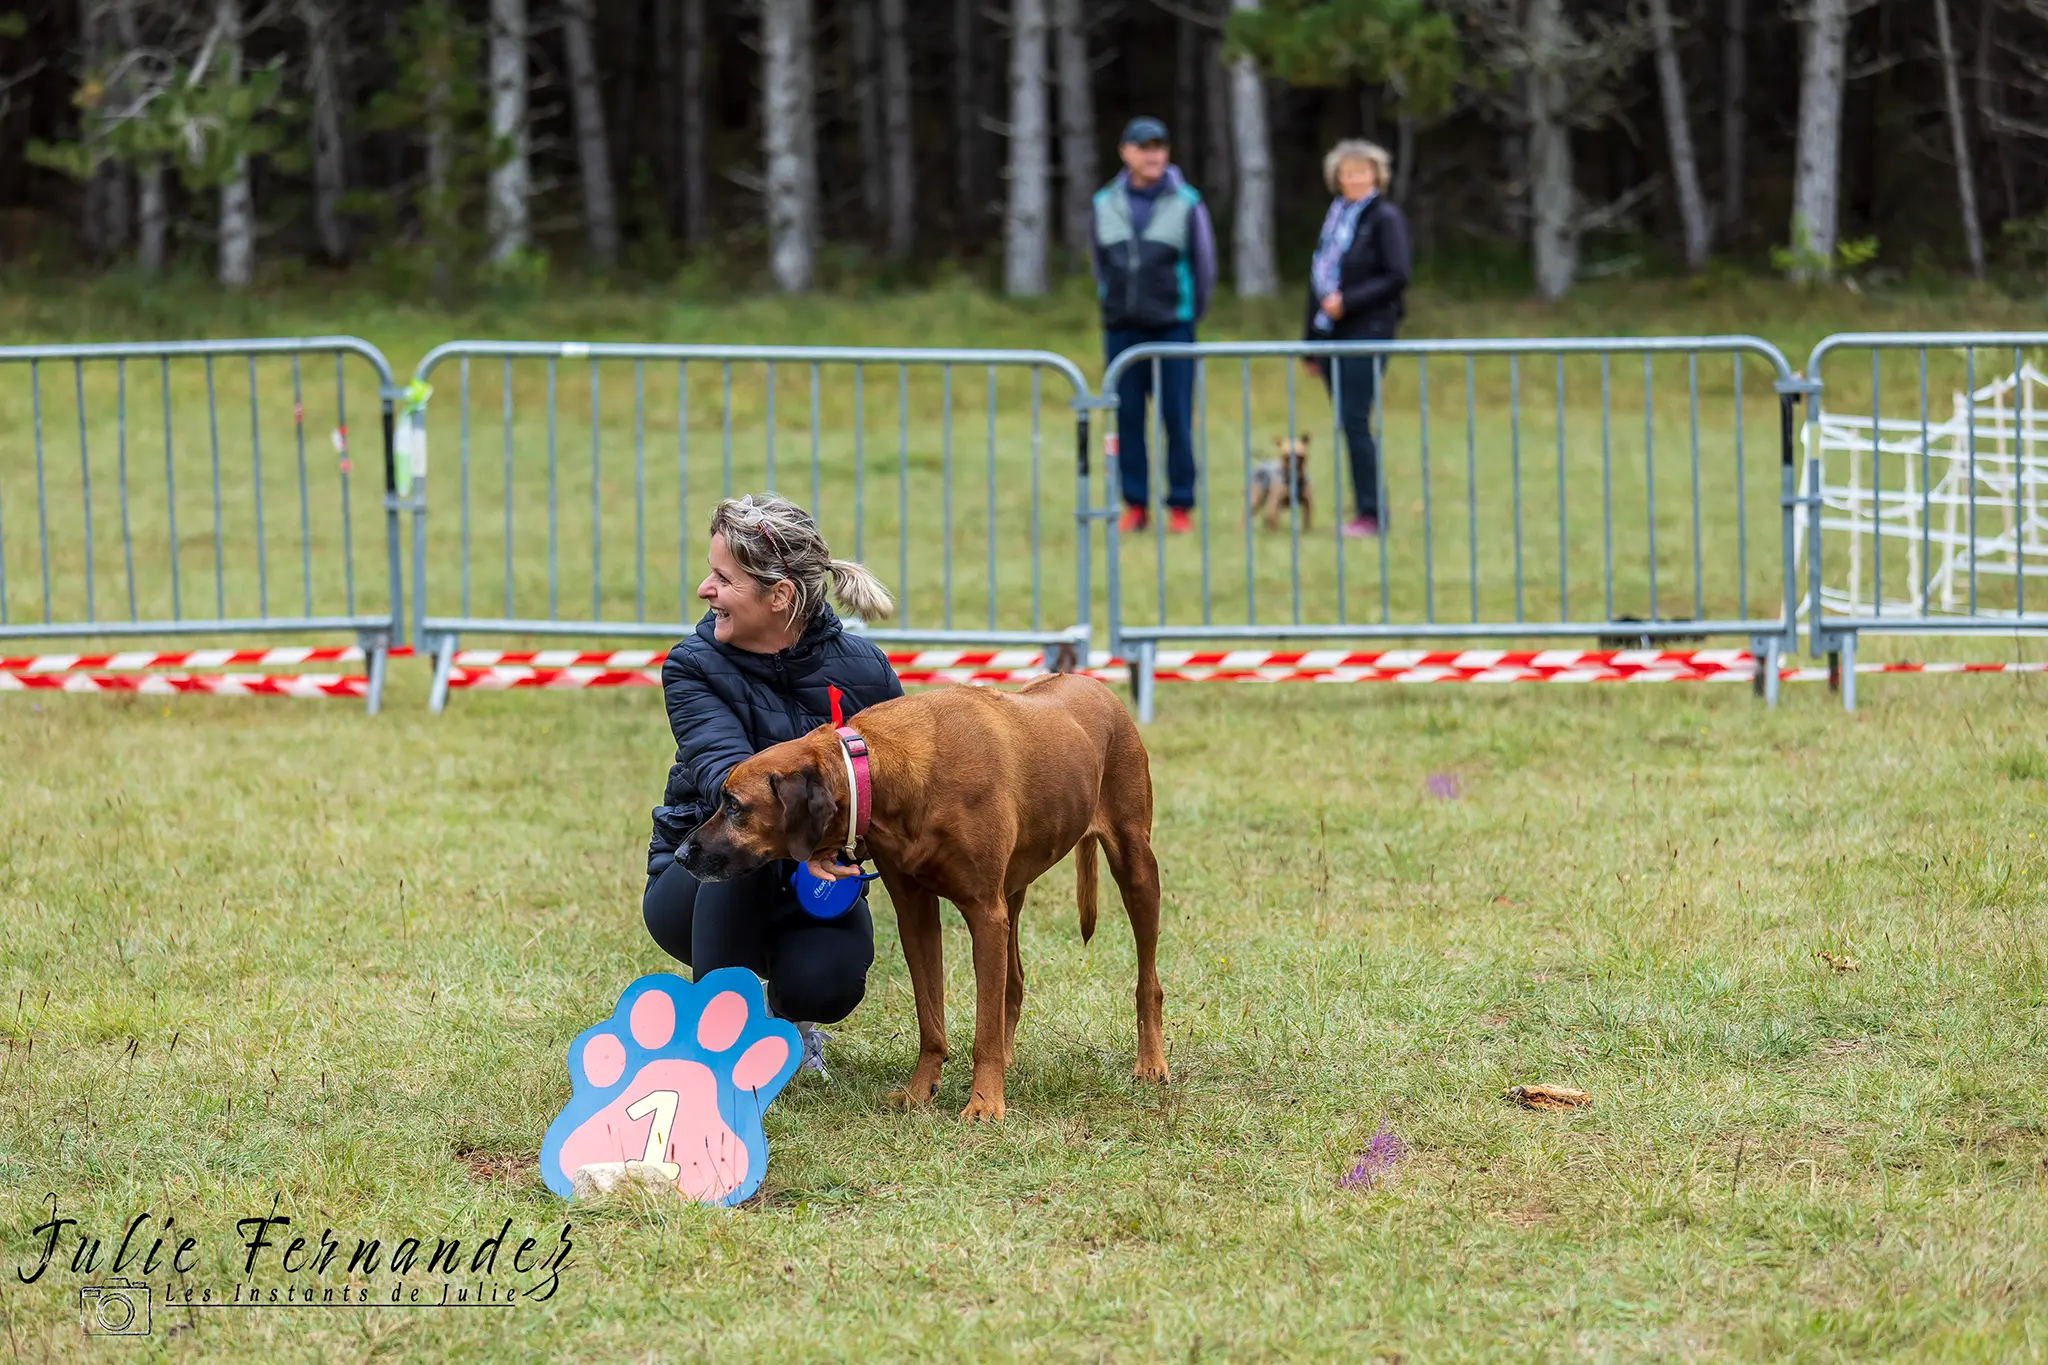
(761, 668)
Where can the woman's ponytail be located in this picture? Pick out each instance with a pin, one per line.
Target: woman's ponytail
(859, 591)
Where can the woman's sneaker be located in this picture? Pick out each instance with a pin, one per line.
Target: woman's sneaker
(1362, 526)
(814, 1040)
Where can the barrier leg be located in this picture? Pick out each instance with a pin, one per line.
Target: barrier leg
(1767, 650)
(1848, 657)
(377, 655)
(1142, 680)
(444, 664)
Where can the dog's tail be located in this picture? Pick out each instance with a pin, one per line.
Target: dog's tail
(1084, 883)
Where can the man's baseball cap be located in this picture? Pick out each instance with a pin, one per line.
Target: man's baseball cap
(1144, 128)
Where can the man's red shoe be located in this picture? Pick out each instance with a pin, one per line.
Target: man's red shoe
(1179, 521)
(1133, 519)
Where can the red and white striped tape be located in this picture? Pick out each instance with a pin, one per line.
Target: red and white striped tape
(932, 667)
(286, 656)
(519, 677)
(178, 684)
(556, 670)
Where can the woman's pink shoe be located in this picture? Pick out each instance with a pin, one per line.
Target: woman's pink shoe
(1362, 526)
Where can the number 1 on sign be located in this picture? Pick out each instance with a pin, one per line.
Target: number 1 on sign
(662, 1104)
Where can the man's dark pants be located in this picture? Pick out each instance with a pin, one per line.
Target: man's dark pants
(1176, 406)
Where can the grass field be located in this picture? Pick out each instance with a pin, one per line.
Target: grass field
(277, 957)
(286, 955)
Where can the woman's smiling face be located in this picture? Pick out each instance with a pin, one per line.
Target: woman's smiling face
(746, 616)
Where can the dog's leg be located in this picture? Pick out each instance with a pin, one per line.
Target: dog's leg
(1129, 849)
(1308, 508)
(989, 929)
(917, 924)
(1013, 996)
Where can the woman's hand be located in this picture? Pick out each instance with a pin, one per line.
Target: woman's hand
(1333, 305)
(826, 867)
(1312, 365)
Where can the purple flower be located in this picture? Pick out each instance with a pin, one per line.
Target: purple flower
(1381, 1155)
(1443, 786)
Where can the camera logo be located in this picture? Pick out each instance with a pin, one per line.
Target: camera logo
(117, 1309)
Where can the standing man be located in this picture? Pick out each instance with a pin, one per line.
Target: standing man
(1155, 265)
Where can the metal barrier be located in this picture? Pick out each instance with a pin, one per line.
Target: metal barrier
(1523, 557)
(280, 536)
(879, 458)
(1935, 478)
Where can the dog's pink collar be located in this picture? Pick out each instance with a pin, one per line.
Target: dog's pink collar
(854, 750)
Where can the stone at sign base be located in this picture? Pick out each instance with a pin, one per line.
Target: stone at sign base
(601, 1178)
(670, 1090)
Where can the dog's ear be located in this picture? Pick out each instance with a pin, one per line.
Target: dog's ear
(807, 811)
(1280, 444)
(1304, 438)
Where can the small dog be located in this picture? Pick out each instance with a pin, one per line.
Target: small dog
(1647, 640)
(1282, 482)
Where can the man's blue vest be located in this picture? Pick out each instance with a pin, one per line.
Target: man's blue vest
(1148, 277)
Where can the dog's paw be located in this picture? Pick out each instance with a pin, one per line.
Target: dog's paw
(981, 1109)
(674, 1082)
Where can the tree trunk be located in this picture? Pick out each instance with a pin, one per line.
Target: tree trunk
(1554, 233)
(323, 77)
(966, 126)
(593, 152)
(1403, 174)
(668, 112)
(106, 226)
(1187, 57)
(867, 99)
(511, 177)
(896, 126)
(1217, 177)
(154, 213)
(1816, 189)
(151, 211)
(1077, 126)
(1257, 277)
(1959, 139)
(2001, 146)
(696, 185)
(1734, 113)
(1692, 205)
(237, 209)
(437, 212)
(792, 188)
(1029, 200)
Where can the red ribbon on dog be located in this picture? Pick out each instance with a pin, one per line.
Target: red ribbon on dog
(838, 719)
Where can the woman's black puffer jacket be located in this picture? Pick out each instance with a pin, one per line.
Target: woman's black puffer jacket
(725, 704)
(1373, 278)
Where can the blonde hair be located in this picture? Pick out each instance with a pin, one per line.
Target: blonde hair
(776, 541)
(1358, 149)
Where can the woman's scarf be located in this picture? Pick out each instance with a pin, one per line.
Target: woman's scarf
(1326, 267)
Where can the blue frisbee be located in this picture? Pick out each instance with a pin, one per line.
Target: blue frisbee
(827, 900)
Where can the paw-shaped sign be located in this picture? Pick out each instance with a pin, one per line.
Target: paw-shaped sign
(671, 1089)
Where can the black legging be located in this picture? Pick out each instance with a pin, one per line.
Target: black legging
(1357, 380)
(817, 970)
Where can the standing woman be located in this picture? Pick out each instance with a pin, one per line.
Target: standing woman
(1358, 278)
(762, 668)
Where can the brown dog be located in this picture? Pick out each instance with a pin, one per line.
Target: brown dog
(1282, 482)
(976, 794)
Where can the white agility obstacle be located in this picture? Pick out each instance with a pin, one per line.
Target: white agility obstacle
(1961, 497)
